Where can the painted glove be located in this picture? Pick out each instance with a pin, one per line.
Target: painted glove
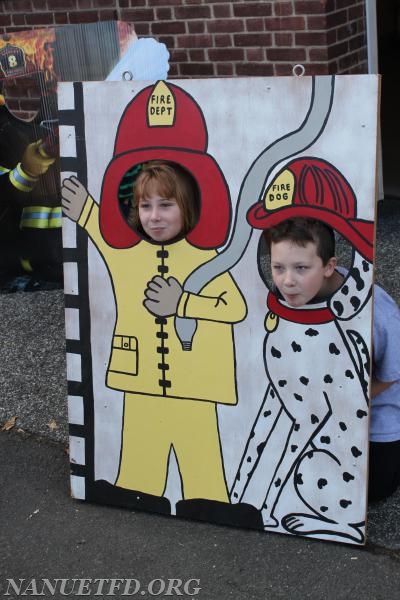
(73, 197)
(162, 296)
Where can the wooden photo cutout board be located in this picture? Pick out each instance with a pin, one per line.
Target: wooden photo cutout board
(228, 405)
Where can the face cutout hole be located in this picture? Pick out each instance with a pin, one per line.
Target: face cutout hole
(264, 262)
(169, 180)
(344, 252)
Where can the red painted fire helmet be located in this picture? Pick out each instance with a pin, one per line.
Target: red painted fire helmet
(164, 123)
(313, 188)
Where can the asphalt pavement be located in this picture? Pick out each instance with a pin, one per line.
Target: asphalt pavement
(46, 535)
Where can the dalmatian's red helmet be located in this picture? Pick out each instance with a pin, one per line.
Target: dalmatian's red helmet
(311, 187)
(164, 123)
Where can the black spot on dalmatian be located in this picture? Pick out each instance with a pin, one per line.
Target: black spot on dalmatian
(355, 302)
(356, 275)
(277, 483)
(272, 394)
(361, 413)
(299, 479)
(323, 508)
(252, 434)
(311, 332)
(347, 477)
(304, 380)
(275, 353)
(345, 290)
(267, 413)
(296, 426)
(328, 379)
(314, 419)
(322, 483)
(298, 397)
(349, 374)
(345, 503)
(333, 349)
(282, 382)
(296, 347)
(235, 495)
(325, 439)
(293, 447)
(260, 448)
(342, 426)
(249, 459)
(338, 306)
(365, 266)
(355, 451)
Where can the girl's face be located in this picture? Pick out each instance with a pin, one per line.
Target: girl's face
(299, 273)
(161, 218)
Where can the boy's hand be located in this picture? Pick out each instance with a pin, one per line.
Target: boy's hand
(73, 197)
(162, 296)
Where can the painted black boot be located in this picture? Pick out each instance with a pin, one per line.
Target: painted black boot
(104, 492)
(222, 513)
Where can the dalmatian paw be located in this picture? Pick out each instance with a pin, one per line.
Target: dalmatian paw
(300, 524)
(268, 520)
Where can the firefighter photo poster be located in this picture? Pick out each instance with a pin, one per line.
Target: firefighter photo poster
(195, 388)
(31, 63)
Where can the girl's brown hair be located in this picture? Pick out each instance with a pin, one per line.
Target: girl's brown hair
(170, 180)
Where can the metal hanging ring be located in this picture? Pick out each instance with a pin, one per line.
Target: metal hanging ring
(298, 70)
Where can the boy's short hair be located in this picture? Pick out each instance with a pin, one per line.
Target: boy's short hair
(170, 181)
(301, 231)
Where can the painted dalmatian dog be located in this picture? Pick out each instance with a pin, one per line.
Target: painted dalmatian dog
(299, 424)
(312, 427)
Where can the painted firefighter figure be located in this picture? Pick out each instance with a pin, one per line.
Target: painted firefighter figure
(173, 218)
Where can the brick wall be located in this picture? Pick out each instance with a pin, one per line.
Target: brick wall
(217, 38)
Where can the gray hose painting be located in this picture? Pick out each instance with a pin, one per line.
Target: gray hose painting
(253, 187)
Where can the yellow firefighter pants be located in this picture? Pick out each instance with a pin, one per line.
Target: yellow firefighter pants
(151, 426)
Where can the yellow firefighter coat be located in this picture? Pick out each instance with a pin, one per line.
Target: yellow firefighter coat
(147, 356)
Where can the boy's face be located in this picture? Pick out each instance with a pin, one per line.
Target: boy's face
(299, 273)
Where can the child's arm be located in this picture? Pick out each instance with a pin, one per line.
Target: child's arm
(385, 347)
(377, 387)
